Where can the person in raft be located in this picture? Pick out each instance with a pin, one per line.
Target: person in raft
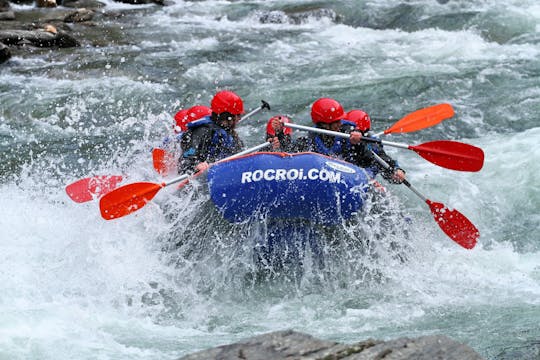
(213, 137)
(328, 114)
(282, 138)
(181, 119)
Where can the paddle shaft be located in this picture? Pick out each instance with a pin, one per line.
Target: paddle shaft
(345, 136)
(449, 154)
(405, 182)
(244, 152)
(264, 105)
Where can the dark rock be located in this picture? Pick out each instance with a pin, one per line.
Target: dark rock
(70, 16)
(87, 4)
(7, 15)
(38, 38)
(318, 14)
(296, 17)
(79, 15)
(4, 5)
(139, 2)
(5, 54)
(46, 3)
(273, 17)
(294, 345)
(23, 2)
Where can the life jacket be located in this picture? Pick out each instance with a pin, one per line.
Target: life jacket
(348, 122)
(170, 140)
(222, 144)
(339, 148)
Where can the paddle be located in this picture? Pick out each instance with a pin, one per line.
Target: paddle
(445, 153)
(130, 198)
(452, 222)
(89, 188)
(161, 159)
(420, 119)
(264, 105)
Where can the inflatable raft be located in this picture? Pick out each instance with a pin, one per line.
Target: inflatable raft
(306, 186)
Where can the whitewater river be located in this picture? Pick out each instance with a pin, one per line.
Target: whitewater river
(74, 286)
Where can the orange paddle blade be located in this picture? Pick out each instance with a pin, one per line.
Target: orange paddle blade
(452, 155)
(88, 189)
(127, 199)
(158, 160)
(455, 225)
(163, 161)
(422, 119)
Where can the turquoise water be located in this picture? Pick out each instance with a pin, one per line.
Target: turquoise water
(76, 286)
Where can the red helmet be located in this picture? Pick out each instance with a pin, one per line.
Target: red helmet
(360, 118)
(181, 120)
(198, 111)
(183, 117)
(327, 111)
(227, 101)
(270, 130)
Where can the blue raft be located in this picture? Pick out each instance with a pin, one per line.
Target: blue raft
(306, 186)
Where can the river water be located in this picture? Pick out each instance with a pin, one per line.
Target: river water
(75, 286)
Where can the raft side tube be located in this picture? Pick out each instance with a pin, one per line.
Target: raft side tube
(306, 186)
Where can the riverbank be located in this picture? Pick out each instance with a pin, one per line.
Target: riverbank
(27, 28)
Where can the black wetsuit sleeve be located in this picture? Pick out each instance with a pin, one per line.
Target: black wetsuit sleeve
(385, 173)
(302, 144)
(195, 148)
(239, 144)
(362, 156)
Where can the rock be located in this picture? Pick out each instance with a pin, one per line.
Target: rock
(23, 2)
(5, 54)
(7, 15)
(45, 3)
(296, 17)
(79, 15)
(86, 4)
(50, 28)
(68, 16)
(5, 11)
(140, 2)
(4, 5)
(38, 38)
(290, 344)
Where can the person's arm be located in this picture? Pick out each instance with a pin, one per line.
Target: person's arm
(395, 174)
(280, 141)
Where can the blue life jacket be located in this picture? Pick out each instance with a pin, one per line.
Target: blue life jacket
(339, 147)
(348, 122)
(222, 143)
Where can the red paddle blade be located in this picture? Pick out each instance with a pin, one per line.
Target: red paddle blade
(455, 225)
(162, 161)
(421, 119)
(88, 189)
(127, 199)
(452, 155)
